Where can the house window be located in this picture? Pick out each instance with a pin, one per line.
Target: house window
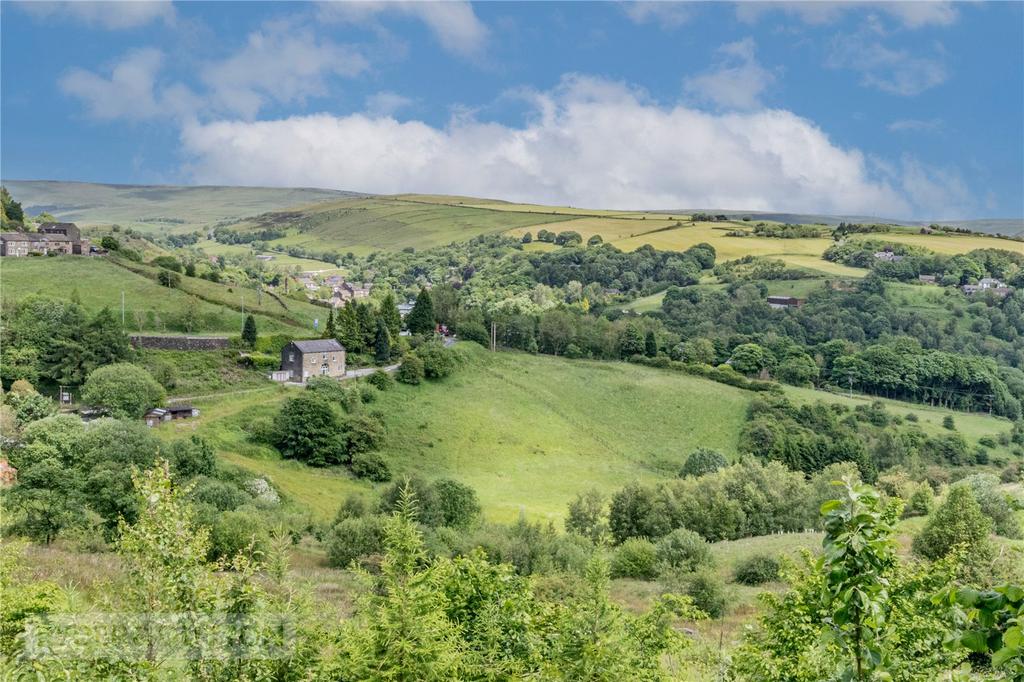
(291, 357)
(324, 369)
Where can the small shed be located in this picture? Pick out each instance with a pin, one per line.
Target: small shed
(156, 415)
(182, 411)
(785, 302)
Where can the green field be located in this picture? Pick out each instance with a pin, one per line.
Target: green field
(280, 261)
(365, 225)
(149, 307)
(526, 432)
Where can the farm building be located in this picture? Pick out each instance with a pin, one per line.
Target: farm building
(52, 238)
(318, 357)
(779, 302)
(165, 414)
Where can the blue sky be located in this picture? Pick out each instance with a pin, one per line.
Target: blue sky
(911, 110)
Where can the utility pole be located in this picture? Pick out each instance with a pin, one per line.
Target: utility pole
(850, 378)
(494, 336)
(122, 310)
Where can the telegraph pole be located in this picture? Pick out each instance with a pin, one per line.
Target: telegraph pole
(122, 310)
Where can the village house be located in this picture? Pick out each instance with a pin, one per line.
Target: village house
(318, 357)
(779, 302)
(405, 308)
(888, 256)
(52, 238)
(926, 279)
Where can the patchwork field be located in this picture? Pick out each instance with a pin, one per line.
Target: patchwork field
(365, 225)
(950, 243)
(149, 306)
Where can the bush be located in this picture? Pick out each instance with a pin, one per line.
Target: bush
(371, 466)
(363, 433)
(456, 503)
(192, 457)
(757, 570)
(707, 592)
(987, 441)
(237, 532)
(309, 429)
(381, 380)
(958, 522)
(354, 538)
(921, 501)
(125, 390)
(411, 371)
(948, 423)
(220, 495)
(1013, 473)
(635, 558)
(703, 461)
(438, 361)
(683, 550)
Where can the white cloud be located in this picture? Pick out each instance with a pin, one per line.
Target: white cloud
(589, 143)
(910, 13)
(915, 125)
(386, 103)
(942, 191)
(736, 81)
(665, 13)
(127, 93)
(897, 72)
(108, 15)
(454, 24)
(279, 63)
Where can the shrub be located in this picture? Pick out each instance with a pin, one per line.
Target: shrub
(309, 429)
(381, 380)
(354, 538)
(371, 466)
(994, 503)
(707, 592)
(948, 423)
(635, 558)
(363, 433)
(921, 501)
(220, 495)
(1012, 473)
(702, 461)
(411, 370)
(237, 532)
(987, 441)
(683, 550)
(192, 457)
(757, 570)
(438, 361)
(957, 522)
(125, 390)
(456, 503)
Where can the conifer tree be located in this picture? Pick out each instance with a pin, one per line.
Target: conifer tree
(382, 343)
(367, 325)
(389, 312)
(421, 318)
(249, 334)
(348, 328)
(330, 330)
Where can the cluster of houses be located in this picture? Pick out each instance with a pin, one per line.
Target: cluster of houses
(989, 284)
(341, 291)
(52, 238)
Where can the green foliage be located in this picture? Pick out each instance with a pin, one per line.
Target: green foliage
(420, 319)
(191, 457)
(707, 592)
(750, 358)
(958, 523)
(859, 551)
(703, 461)
(631, 341)
(635, 558)
(381, 380)
(249, 334)
(382, 342)
(354, 538)
(992, 624)
(167, 262)
(438, 360)
(587, 516)
(948, 423)
(994, 503)
(123, 389)
(757, 569)
(685, 551)
(238, 532)
(371, 466)
(411, 371)
(456, 503)
(309, 429)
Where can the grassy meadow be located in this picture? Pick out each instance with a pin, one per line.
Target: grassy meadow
(149, 307)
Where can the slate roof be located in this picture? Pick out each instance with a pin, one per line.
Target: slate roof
(319, 346)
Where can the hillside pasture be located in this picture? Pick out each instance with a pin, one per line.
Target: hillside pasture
(149, 307)
(948, 244)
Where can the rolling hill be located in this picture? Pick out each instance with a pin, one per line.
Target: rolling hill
(158, 208)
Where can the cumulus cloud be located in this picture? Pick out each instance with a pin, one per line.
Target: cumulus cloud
(108, 15)
(911, 14)
(588, 143)
(454, 24)
(897, 72)
(127, 93)
(665, 13)
(278, 63)
(736, 81)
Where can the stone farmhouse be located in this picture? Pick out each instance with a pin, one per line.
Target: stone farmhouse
(52, 238)
(319, 357)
